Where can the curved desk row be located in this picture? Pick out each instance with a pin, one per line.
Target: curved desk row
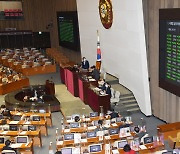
(12, 86)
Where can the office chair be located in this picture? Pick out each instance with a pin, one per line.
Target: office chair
(174, 142)
(116, 99)
(112, 93)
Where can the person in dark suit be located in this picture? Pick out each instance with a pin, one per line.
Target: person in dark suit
(95, 73)
(8, 146)
(107, 89)
(85, 63)
(114, 114)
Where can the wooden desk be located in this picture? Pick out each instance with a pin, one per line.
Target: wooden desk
(71, 81)
(34, 135)
(169, 129)
(95, 101)
(25, 149)
(83, 88)
(45, 116)
(38, 70)
(13, 86)
(150, 147)
(42, 125)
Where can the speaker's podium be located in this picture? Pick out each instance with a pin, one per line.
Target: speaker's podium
(50, 89)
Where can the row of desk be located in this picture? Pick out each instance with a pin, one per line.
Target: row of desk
(26, 64)
(12, 86)
(79, 86)
(34, 135)
(82, 143)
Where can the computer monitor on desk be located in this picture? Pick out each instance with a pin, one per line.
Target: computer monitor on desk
(2, 140)
(36, 118)
(95, 148)
(68, 136)
(16, 117)
(68, 150)
(31, 128)
(74, 125)
(120, 144)
(113, 131)
(22, 139)
(93, 114)
(91, 134)
(1, 117)
(148, 140)
(13, 127)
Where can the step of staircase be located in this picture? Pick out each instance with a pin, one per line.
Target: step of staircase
(128, 101)
(134, 110)
(111, 79)
(127, 98)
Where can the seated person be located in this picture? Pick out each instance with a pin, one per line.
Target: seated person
(107, 89)
(85, 63)
(58, 152)
(5, 112)
(95, 73)
(113, 114)
(102, 84)
(140, 133)
(8, 146)
(127, 149)
(76, 118)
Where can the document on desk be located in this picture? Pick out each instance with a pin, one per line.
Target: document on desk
(143, 147)
(84, 140)
(4, 132)
(77, 138)
(23, 133)
(13, 122)
(115, 151)
(66, 130)
(19, 113)
(107, 137)
(92, 127)
(27, 123)
(16, 145)
(92, 79)
(59, 142)
(87, 119)
(114, 124)
(69, 121)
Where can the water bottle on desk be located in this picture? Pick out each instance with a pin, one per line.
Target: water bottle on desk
(57, 133)
(62, 124)
(50, 148)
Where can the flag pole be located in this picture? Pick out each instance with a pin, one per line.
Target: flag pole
(98, 61)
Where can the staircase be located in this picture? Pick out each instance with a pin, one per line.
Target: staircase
(127, 104)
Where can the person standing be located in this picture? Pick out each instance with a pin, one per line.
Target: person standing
(85, 63)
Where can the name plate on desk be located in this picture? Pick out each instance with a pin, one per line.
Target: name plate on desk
(66, 130)
(143, 147)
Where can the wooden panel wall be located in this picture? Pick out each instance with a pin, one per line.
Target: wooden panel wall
(165, 105)
(38, 14)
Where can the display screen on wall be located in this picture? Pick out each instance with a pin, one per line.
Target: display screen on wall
(169, 50)
(68, 30)
(11, 10)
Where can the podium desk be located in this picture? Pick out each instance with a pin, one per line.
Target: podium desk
(96, 100)
(62, 74)
(83, 88)
(50, 89)
(71, 81)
